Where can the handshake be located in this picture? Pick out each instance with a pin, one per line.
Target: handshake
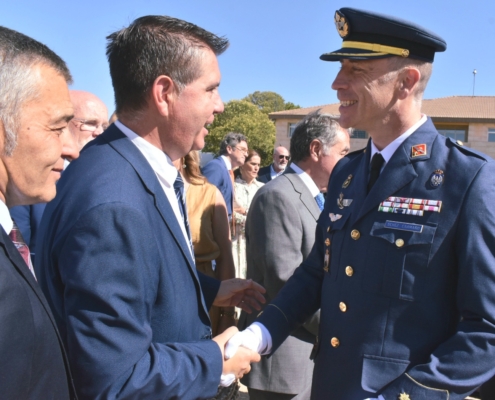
(240, 349)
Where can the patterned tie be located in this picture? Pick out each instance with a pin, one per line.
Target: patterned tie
(20, 244)
(179, 193)
(376, 166)
(320, 200)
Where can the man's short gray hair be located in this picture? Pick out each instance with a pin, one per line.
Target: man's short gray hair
(231, 139)
(314, 126)
(19, 55)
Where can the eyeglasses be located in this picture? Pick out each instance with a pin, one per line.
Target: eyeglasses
(89, 126)
(281, 157)
(242, 149)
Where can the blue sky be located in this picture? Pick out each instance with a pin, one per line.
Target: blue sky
(275, 45)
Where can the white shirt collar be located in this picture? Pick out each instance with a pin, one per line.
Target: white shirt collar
(274, 173)
(389, 151)
(227, 162)
(5, 218)
(159, 161)
(308, 181)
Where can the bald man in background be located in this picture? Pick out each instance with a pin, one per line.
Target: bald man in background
(90, 120)
(90, 117)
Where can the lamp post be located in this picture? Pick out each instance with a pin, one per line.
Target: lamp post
(474, 79)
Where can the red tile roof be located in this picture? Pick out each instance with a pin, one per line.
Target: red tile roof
(454, 107)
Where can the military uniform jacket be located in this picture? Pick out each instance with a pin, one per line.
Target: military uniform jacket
(407, 301)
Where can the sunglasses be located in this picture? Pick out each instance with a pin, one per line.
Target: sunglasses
(282, 157)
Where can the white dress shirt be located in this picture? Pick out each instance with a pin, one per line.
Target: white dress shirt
(164, 169)
(389, 151)
(5, 218)
(308, 181)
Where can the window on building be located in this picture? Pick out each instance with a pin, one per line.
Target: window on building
(357, 134)
(491, 134)
(291, 129)
(455, 134)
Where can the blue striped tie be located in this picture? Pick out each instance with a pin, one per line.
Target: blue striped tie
(320, 200)
(179, 193)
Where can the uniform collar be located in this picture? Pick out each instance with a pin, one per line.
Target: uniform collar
(389, 151)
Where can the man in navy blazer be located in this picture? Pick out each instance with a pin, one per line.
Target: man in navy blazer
(281, 158)
(233, 152)
(403, 264)
(115, 260)
(35, 111)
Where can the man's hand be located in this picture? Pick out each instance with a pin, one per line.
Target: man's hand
(242, 293)
(238, 365)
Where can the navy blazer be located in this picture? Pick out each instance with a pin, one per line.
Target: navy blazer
(119, 276)
(264, 174)
(33, 364)
(217, 174)
(407, 301)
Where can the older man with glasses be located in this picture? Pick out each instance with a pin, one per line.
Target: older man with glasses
(219, 171)
(90, 117)
(281, 159)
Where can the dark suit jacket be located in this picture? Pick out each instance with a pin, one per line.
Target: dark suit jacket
(28, 220)
(264, 174)
(33, 364)
(407, 304)
(280, 232)
(121, 281)
(217, 174)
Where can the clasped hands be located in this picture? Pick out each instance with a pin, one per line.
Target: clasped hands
(239, 349)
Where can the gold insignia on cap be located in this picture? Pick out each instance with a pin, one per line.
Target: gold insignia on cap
(404, 396)
(341, 24)
(404, 53)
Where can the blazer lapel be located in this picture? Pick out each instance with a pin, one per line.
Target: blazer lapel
(304, 193)
(399, 171)
(20, 265)
(126, 149)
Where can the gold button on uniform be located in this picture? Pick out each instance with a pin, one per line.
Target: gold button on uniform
(459, 143)
(399, 242)
(355, 234)
(328, 229)
(335, 342)
(327, 242)
(342, 306)
(349, 271)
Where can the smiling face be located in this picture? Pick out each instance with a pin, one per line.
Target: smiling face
(194, 108)
(29, 174)
(366, 90)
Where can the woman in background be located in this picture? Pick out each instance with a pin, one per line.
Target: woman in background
(210, 233)
(245, 187)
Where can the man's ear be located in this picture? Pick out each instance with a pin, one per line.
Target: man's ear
(163, 93)
(408, 81)
(315, 149)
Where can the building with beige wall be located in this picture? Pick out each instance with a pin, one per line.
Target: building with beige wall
(470, 119)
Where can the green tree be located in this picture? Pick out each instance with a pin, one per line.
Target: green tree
(243, 117)
(268, 102)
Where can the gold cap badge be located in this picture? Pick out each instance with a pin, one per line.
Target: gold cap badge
(341, 24)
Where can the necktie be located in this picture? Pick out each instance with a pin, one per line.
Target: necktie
(20, 244)
(320, 200)
(376, 166)
(179, 193)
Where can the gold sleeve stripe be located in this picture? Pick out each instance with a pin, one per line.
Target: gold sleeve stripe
(377, 48)
(273, 305)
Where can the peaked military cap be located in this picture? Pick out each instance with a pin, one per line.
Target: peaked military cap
(368, 35)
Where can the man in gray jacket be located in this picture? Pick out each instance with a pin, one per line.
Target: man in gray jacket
(280, 232)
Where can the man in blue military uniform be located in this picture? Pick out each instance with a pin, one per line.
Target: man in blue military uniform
(403, 266)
